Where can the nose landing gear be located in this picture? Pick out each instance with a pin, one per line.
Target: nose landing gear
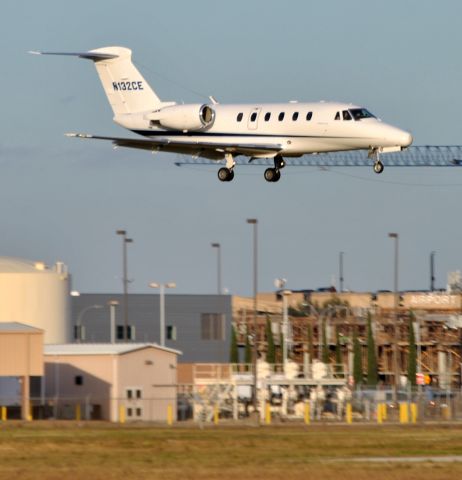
(375, 154)
(378, 166)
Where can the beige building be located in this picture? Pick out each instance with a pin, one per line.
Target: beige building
(108, 381)
(21, 355)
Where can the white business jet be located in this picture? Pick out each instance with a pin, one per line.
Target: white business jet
(222, 132)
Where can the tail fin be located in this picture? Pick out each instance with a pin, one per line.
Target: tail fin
(125, 87)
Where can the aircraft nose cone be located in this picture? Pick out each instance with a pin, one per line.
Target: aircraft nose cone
(406, 139)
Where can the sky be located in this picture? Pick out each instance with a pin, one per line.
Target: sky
(63, 199)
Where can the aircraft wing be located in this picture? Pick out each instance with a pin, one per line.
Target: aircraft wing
(212, 150)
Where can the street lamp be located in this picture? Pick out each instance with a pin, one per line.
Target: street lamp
(78, 326)
(281, 283)
(254, 222)
(432, 271)
(162, 287)
(112, 307)
(340, 267)
(395, 236)
(218, 247)
(125, 241)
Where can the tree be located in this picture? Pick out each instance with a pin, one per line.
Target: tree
(325, 346)
(338, 351)
(372, 374)
(310, 342)
(234, 352)
(357, 361)
(412, 358)
(270, 350)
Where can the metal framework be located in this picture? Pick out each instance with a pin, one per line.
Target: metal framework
(418, 156)
(440, 346)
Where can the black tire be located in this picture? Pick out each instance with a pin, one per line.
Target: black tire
(277, 176)
(225, 174)
(270, 174)
(378, 167)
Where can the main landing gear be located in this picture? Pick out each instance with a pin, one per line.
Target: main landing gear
(226, 174)
(378, 165)
(274, 174)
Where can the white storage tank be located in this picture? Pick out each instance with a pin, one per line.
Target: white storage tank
(37, 295)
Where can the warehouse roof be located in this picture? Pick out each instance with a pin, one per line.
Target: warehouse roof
(102, 348)
(17, 327)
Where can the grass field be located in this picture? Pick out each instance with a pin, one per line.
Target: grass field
(102, 451)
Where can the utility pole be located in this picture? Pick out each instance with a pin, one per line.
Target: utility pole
(125, 281)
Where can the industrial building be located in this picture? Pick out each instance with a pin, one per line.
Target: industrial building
(197, 325)
(437, 324)
(136, 381)
(21, 358)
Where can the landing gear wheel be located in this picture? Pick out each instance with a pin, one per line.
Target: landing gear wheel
(378, 167)
(272, 175)
(225, 174)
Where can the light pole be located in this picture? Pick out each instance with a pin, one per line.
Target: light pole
(218, 247)
(254, 222)
(125, 241)
(162, 287)
(112, 307)
(432, 271)
(281, 283)
(395, 236)
(78, 330)
(340, 267)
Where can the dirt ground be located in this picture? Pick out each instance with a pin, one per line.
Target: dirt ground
(77, 451)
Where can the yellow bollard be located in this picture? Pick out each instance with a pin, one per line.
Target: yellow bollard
(384, 411)
(4, 414)
(77, 412)
(446, 412)
(121, 414)
(215, 415)
(306, 416)
(30, 417)
(403, 412)
(379, 413)
(349, 413)
(413, 412)
(169, 415)
(267, 413)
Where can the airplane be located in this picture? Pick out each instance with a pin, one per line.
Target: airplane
(219, 132)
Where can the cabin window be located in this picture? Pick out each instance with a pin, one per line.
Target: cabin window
(309, 116)
(346, 115)
(337, 116)
(267, 116)
(295, 116)
(239, 117)
(281, 116)
(253, 117)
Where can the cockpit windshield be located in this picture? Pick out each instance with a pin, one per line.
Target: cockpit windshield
(360, 113)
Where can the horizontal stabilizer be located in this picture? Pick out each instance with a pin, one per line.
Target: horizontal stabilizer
(95, 56)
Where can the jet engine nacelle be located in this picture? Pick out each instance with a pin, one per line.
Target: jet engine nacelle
(184, 117)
